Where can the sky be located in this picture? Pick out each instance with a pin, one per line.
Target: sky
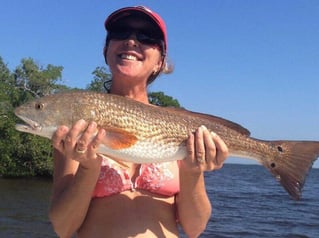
(253, 62)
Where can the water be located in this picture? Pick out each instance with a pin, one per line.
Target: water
(247, 202)
(24, 208)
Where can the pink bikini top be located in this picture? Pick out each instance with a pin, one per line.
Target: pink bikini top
(160, 178)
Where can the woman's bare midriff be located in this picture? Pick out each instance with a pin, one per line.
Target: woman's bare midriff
(130, 214)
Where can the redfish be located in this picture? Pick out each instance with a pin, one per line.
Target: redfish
(142, 133)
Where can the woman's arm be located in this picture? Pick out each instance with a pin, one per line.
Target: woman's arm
(206, 152)
(75, 176)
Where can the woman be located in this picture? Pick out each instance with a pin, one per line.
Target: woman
(95, 196)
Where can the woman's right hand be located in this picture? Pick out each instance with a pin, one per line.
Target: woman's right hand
(80, 143)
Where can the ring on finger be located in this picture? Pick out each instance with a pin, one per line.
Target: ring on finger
(200, 160)
(80, 151)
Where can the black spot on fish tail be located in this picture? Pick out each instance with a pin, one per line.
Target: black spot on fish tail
(280, 149)
(294, 160)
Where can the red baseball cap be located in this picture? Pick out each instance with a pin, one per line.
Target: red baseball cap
(128, 11)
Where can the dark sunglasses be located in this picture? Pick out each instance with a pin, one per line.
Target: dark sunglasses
(143, 37)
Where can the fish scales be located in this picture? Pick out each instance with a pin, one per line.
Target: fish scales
(155, 125)
(142, 133)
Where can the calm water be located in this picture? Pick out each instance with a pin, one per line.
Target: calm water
(24, 208)
(247, 202)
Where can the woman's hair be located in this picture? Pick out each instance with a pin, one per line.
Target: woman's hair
(167, 68)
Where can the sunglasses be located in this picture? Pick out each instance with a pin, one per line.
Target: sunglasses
(143, 37)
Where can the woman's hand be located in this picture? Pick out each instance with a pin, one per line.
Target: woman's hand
(206, 151)
(79, 143)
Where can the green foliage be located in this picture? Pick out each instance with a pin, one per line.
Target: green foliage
(160, 99)
(37, 80)
(23, 154)
(100, 76)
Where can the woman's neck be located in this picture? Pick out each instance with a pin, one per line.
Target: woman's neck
(137, 92)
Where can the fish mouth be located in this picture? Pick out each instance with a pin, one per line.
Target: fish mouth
(29, 126)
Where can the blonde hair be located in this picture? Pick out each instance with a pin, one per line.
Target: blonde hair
(167, 68)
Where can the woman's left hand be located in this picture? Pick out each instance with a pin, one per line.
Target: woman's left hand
(206, 151)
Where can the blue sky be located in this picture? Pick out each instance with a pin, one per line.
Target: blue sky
(253, 62)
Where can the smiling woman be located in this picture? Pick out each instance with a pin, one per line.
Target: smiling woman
(94, 194)
(143, 25)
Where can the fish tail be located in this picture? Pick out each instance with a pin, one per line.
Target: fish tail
(293, 161)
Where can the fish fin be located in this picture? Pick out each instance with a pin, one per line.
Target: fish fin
(117, 139)
(216, 119)
(226, 123)
(292, 165)
(119, 162)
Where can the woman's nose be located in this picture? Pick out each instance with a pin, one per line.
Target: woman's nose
(132, 40)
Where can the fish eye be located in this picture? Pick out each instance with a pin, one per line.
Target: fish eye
(39, 106)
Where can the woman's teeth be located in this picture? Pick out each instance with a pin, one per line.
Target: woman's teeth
(128, 57)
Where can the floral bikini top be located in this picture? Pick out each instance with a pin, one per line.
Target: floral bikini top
(160, 178)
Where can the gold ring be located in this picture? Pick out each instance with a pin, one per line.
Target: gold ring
(80, 151)
(200, 160)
